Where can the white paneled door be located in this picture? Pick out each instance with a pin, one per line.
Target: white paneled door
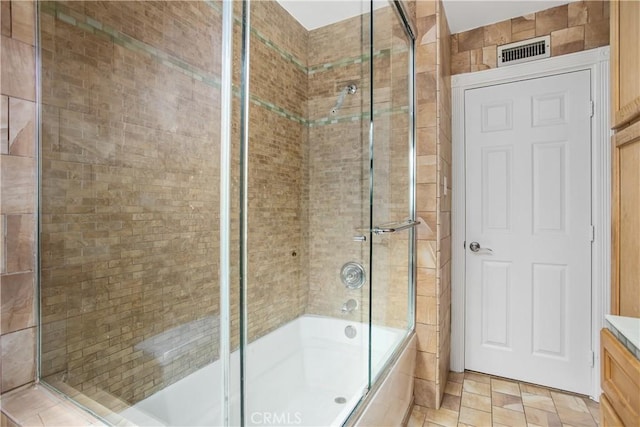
(528, 231)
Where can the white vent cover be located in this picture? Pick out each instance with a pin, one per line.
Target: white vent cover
(524, 51)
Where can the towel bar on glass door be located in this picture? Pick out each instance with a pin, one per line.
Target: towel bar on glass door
(394, 226)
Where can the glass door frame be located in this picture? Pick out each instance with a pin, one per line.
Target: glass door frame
(403, 15)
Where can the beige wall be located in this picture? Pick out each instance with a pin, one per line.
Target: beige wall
(17, 200)
(339, 166)
(443, 265)
(577, 26)
(129, 176)
(278, 171)
(130, 190)
(433, 301)
(337, 172)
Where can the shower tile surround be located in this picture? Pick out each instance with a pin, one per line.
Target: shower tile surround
(96, 39)
(165, 291)
(17, 198)
(433, 201)
(116, 272)
(330, 243)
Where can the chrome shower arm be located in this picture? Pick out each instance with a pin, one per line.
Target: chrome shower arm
(349, 89)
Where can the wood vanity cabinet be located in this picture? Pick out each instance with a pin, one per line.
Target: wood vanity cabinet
(620, 378)
(620, 369)
(625, 119)
(608, 416)
(625, 61)
(625, 286)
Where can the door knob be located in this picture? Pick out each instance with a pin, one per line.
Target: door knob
(475, 247)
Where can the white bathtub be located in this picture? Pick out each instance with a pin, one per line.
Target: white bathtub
(294, 375)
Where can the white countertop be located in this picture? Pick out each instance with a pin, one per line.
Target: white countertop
(629, 327)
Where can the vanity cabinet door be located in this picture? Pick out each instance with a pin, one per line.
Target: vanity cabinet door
(608, 416)
(625, 284)
(625, 62)
(620, 380)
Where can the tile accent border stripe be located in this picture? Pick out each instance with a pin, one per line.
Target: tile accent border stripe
(313, 69)
(94, 27)
(282, 52)
(99, 29)
(278, 110)
(356, 117)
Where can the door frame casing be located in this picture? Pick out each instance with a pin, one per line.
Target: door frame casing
(597, 62)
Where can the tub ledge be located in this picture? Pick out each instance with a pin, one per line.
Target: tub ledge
(35, 405)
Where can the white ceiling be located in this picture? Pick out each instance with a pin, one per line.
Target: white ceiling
(465, 15)
(314, 14)
(462, 14)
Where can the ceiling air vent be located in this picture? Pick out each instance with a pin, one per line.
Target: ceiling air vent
(524, 51)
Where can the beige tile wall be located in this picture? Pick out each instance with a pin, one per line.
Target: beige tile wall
(433, 301)
(338, 174)
(277, 245)
(339, 166)
(17, 198)
(444, 201)
(128, 179)
(330, 238)
(130, 191)
(577, 26)
(390, 262)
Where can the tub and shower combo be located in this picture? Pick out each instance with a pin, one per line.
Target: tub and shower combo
(226, 211)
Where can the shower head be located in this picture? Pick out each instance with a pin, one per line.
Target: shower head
(349, 89)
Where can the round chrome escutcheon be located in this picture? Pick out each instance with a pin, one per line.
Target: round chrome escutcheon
(352, 275)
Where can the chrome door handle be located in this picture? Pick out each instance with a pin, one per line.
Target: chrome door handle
(475, 247)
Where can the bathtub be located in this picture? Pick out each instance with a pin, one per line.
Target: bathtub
(306, 373)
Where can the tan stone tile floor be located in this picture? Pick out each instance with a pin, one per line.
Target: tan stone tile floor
(473, 399)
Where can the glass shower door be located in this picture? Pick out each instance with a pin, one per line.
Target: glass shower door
(307, 243)
(393, 221)
(132, 115)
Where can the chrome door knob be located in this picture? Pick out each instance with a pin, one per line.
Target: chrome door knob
(475, 247)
